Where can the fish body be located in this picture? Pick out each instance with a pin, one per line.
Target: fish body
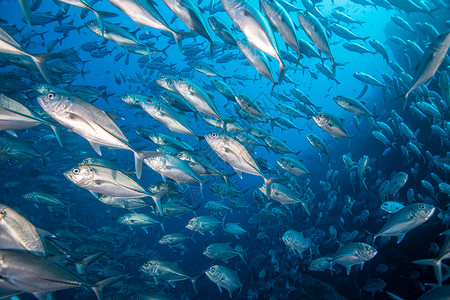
(280, 19)
(221, 251)
(106, 181)
(222, 30)
(20, 233)
(203, 224)
(257, 58)
(165, 115)
(430, 62)
(36, 274)
(224, 278)
(353, 254)
(16, 149)
(256, 28)
(317, 143)
(296, 241)
(293, 166)
(234, 153)
(166, 270)
(196, 96)
(352, 105)
(331, 124)
(90, 122)
(405, 220)
(316, 33)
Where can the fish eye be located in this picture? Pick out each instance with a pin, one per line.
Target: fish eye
(366, 248)
(146, 265)
(213, 270)
(422, 207)
(180, 79)
(76, 171)
(162, 77)
(288, 235)
(50, 96)
(214, 134)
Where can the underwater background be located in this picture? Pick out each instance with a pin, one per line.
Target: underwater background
(341, 209)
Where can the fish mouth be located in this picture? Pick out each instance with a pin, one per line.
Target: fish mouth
(68, 175)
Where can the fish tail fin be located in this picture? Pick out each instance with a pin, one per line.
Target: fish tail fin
(162, 225)
(403, 97)
(364, 183)
(25, 5)
(45, 156)
(179, 36)
(81, 266)
(164, 50)
(99, 21)
(281, 71)
(274, 84)
(138, 162)
(202, 186)
(99, 286)
(243, 256)
(157, 199)
(199, 139)
(305, 205)
(365, 38)
(39, 60)
(435, 263)
(268, 183)
(194, 282)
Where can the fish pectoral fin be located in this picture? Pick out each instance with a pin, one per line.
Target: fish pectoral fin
(94, 194)
(400, 237)
(220, 289)
(43, 295)
(96, 147)
(348, 269)
(171, 283)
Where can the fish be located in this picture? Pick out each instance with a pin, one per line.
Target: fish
(144, 13)
(9, 45)
(35, 274)
(19, 233)
(317, 34)
(406, 219)
(174, 239)
(293, 166)
(196, 96)
(139, 220)
(167, 116)
(353, 254)
(436, 263)
(353, 105)
(204, 224)
(192, 16)
(256, 29)
(257, 58)
(280, 19)
(167, 271)
(331, 124)
(90, 122)
(223, 251)
(318, 143)
(174, 168)
(224, 278)
(297, 241)
(429, 63)
(222, 30)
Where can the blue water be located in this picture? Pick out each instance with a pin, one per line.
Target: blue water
(286, 274)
